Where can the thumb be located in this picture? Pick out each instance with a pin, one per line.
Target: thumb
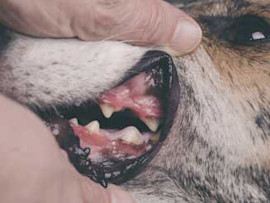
(93, 192)
(142, 22)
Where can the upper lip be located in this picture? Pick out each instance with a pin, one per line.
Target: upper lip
(153, 60)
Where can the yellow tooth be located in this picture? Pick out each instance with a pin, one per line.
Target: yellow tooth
(93, 127)
(132, 138)
(155, 138)
(152, 123)
(107, 110)
(132, 135)
(74, 121)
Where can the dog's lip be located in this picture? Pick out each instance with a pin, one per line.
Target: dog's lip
(130, 168)
(151, 60)
(154, 59)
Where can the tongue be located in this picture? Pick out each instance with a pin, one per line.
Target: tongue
(134, 95)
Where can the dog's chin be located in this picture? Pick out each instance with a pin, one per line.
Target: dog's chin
(114, 136)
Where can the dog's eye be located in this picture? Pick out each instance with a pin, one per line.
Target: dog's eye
(248, 29)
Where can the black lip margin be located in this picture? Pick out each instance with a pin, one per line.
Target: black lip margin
(78, 156)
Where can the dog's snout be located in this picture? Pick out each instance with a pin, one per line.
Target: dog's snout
(162, 63)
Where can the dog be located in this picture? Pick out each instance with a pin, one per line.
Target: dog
(217, 148)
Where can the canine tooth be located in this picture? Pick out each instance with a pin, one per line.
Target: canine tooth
(132, 135)
(107, 110)
(93, 127)
(74, 121)
(152, 123)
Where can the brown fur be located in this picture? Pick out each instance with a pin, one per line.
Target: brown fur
(189, 168)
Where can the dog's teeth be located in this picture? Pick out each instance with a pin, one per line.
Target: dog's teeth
(107, 110)
(152, 123)
(155, 138)
(93, 127)
(74, 121)
(108, 175)
(132, 135)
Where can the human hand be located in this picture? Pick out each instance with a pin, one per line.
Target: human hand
(140, 22)
(34, 169)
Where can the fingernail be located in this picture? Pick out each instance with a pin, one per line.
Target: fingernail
(187, 36)
(120, 196)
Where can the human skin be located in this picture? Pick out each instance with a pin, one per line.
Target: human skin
(135, 21)
(32, 167)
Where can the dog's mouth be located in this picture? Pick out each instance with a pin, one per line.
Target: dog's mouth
(112, 138)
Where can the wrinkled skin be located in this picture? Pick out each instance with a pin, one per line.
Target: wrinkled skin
(218, 147)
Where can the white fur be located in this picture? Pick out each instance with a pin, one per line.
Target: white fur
(46, 71)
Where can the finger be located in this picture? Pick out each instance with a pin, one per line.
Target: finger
(31, 163)
(27, 147)
(137, 21)
(93, 192)
(140, 22)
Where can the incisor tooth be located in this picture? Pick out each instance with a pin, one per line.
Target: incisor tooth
(152, 123)
(74, 121)
(107, 110)
(132, 135)
(93, 127)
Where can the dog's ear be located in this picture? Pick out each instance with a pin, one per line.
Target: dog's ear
(4, 37)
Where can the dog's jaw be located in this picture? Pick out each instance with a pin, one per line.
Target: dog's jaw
(213, 136)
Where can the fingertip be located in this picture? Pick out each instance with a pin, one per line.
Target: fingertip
(93, 192)
(119, 196)
(187, 36)
(173, 28)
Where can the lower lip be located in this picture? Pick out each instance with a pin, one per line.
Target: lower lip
(104, 148)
